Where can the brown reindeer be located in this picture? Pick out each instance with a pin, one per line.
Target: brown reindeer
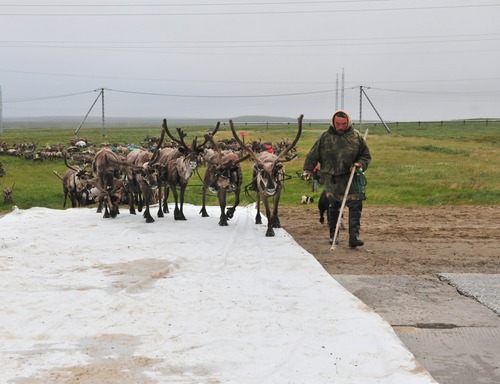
(268, 176)
(75, 183)
(176, 165)
(106, 170)
(141, 170)
(7, 194)
(223, 176)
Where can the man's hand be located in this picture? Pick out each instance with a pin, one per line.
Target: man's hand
(306, 175)
(356, 165)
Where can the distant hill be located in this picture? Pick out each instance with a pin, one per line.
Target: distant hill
(95, 122)
(263, 119)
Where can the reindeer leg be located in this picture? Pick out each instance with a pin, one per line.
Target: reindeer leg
(140, 201)
(131, 202)
(165, 200)
(177, 212)
(230, 210)
(270, 230)
(160, 211)
(181, 212)
(258, 217)
(275, 221)
(73, 199)
(147, 215)
(203, 209)
(106, 210)
(99, 207)
(147, 195)
(222, 204)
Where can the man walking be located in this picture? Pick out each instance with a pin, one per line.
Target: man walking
(338, 150)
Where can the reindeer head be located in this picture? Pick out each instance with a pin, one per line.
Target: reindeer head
(225, 168)
(268, 173)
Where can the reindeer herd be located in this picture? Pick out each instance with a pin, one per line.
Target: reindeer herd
(145, 176)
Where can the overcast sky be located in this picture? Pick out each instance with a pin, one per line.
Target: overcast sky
(417, 60)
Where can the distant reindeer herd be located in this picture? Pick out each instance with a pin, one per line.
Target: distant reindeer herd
(142, 177)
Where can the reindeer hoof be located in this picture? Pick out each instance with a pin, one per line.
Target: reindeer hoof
(270, 233)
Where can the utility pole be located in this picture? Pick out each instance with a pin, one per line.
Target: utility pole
(101, 95)
(102, 109)
(361, 109)
(337, 92)
(342, 90)
(361, 93)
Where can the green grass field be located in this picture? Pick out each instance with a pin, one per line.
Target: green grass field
(449, 163)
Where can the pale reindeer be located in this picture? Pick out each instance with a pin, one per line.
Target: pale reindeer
(268, 174)
(175, 168)
(75, 182)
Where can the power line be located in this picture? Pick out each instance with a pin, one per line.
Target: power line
(440, 93)
(276, 95)
(224, 96)
(197, 4)
(267, 82)
(365, 38)
(46, 97)
(303, 11)
(236, 44)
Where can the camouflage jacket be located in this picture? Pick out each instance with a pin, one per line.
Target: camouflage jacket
(337, 152)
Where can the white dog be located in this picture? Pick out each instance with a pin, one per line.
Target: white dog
(306, 200)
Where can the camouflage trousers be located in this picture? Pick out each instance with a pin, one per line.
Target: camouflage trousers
(335, 187)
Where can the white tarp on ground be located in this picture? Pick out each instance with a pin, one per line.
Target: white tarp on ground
(92, 300)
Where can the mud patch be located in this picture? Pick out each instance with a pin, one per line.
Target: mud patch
(138, 275)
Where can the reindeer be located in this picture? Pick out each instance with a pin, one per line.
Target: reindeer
(176, 165)
(106, 170)
(223, 175)
(75, 182)
(7, 194)
(142, 178)
(268, 176)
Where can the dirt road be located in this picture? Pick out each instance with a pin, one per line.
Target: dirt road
(404, 241)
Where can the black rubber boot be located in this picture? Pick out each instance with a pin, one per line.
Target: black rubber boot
(333, 216)
(355, 208)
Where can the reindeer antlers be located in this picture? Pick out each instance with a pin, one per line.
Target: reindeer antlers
(282, 154)
(211, 134)
(295, 141)
(182, 135)
(241, 143)
(65, 157)
(165, 128)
